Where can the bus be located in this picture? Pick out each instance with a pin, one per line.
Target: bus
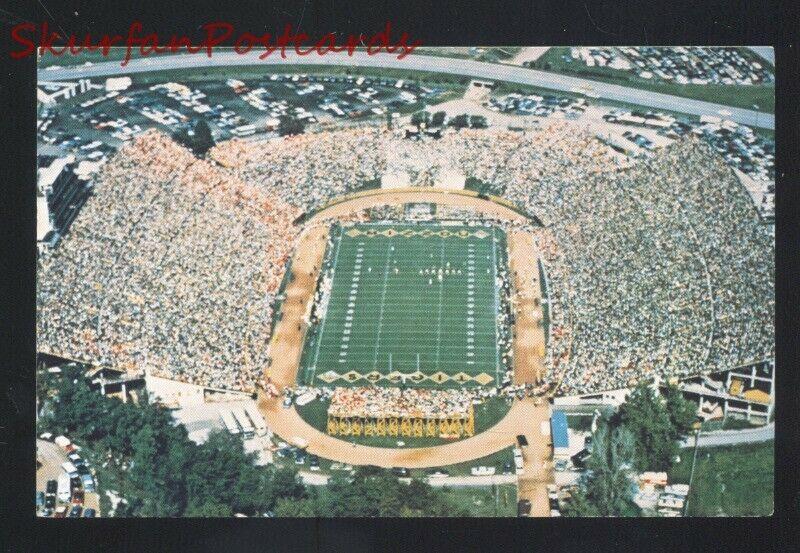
(258, 420)
(230, 423)
(244, 422)
(244, 130)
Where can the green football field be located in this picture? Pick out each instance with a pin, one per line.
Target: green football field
(409, 304)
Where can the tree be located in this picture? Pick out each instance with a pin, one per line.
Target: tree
(438, 119)
(197, 136)
(606, 487)
(295, 508)
(202, 139)
(478, 122)
(682, 412)
(460, 121)
(209, 508)
(288, 125)
(645, 415)
(420, 117)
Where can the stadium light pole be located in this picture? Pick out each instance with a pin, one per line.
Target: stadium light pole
(691, 473)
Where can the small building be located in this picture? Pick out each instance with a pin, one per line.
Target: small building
(559, 435)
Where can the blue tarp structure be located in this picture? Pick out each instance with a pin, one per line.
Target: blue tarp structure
(558, 429)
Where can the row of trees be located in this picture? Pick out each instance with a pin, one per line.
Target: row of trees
(642, 435)
(462, 121)
(161, 473)
(198, 138)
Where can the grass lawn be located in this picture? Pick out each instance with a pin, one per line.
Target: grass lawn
(487, 415)
(741, 96)
(729, 481)
(409, 304)
(485, 501)
(581, 423)
(730, 423)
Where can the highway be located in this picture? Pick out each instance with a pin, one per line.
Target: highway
(471, 68)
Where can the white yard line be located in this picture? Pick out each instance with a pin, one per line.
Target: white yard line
(383, 304)
(313, 367)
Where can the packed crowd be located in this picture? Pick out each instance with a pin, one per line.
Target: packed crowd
(373, 402)
(307, 170)
(658, 268)
(171, 266)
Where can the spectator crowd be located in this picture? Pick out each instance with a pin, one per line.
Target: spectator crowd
(657, 268)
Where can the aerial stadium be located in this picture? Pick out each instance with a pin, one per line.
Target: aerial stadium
(296, 271)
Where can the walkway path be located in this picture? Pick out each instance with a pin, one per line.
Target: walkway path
(733, 437)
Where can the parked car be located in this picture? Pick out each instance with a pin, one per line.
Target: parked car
(52, 487)
(39, 499)
(299, 458)
(313, 462)
(523, 508)
(508, 468)
(522, 440)
(88, 482)
(60, 512)
(76, 511)
(398, 471)
(77, 497)
(89, 513)
(50, 502)
(580, 458)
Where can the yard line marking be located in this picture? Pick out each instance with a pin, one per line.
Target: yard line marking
(383, 302)
(322, 326)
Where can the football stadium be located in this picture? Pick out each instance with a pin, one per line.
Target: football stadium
(427, 324)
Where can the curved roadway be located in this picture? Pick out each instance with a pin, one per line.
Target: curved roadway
(414, 62)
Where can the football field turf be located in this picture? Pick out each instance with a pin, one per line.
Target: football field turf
(414, 304)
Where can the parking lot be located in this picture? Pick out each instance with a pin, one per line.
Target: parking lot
(51, 457)
(230, 106)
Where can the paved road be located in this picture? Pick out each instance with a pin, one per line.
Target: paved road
(478, 69)
(733, 437)
(320, 479)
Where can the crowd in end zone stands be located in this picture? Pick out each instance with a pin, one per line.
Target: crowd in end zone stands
(657, 268)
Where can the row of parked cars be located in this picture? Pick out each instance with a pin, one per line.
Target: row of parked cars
(64, 497)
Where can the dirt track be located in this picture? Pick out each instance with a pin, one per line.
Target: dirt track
(527, 300)
(524, 417)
